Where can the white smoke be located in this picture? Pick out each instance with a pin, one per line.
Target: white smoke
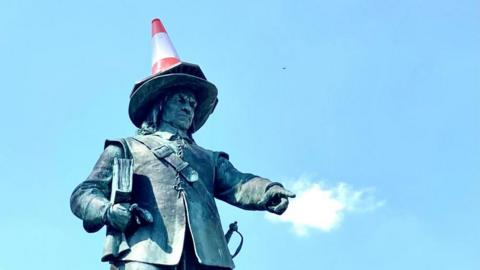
(319, 207)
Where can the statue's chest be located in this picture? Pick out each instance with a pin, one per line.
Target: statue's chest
(158, 171)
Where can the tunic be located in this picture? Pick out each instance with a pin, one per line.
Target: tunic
(174, 206)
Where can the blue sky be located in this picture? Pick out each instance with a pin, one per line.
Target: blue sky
(379, 97)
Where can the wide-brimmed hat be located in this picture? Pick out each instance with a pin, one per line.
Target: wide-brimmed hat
(170, 74)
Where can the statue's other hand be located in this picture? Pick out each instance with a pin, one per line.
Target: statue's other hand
(275, 199)
(119, 216)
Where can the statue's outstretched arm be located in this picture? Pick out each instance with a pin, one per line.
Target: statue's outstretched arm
(248, 191)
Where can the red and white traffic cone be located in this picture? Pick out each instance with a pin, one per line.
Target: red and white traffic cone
(164, 55)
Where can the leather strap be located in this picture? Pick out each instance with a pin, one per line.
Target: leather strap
(165, 153)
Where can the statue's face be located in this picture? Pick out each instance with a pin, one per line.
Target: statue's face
(179, 110)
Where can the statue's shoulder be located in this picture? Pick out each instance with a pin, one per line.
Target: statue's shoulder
(128, 140)
(117, 142)
(201, 148)
(119, 146)
(148, 139)
(141, 143)
(215, 154)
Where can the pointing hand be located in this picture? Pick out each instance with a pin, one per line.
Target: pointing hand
(275, 199)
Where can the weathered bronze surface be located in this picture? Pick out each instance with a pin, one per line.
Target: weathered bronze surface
(174, 180)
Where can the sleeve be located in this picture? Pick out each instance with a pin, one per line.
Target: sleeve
(89, 200)
(243, 190)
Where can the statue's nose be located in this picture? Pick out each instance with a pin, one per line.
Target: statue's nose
(187, 110)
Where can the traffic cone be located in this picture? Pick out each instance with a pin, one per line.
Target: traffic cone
(164, 55)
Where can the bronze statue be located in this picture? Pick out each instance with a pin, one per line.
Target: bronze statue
(169, 219)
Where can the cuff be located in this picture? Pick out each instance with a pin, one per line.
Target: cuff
(271, 184)
(95, 213)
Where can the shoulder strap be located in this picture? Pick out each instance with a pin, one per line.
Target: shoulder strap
(164, 152)
(126, 148)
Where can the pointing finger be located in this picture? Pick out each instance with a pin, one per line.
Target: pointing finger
(288, 193)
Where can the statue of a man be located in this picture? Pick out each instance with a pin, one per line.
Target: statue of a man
(174, 179)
